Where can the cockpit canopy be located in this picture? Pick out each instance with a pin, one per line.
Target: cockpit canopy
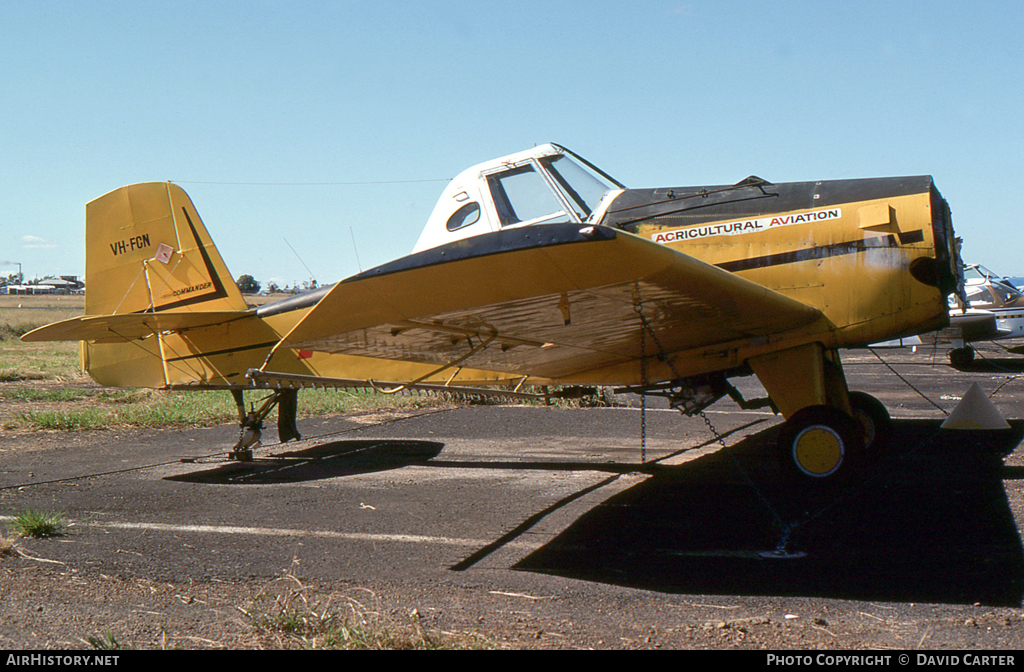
(979, 272)
(546, 184)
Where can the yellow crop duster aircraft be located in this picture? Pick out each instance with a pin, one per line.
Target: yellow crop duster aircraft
(537, 269)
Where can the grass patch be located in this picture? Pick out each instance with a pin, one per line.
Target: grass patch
(16, 322)
(64, 421)
(38, 361)
(105, 642)
(131, 409)
(39, 524)
(153, 409)
(24, 394)
(92, 409)
(289, 617)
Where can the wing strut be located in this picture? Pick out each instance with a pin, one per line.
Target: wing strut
(638, 307)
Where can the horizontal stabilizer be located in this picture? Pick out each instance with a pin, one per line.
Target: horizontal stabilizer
(123, 328)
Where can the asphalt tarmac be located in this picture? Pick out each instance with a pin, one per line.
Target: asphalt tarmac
(545, 526)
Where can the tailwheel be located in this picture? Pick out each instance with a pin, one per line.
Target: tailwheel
(821, 444)
(873, 418)
(248, 437)
(250, 425)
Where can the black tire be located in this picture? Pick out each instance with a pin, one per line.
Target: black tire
(821, 444)
(960, 357)
(873, 418)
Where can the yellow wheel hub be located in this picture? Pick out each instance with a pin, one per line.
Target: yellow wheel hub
(818, 450)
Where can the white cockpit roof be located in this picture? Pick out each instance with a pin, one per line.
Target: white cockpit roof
(545, 184)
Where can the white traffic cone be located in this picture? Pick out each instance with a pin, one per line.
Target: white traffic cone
(975, 411)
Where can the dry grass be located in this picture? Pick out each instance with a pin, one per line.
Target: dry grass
(289, 615)
(36, 361)
(63, 301)
(21, 314)
(56, 362)
(282, 614)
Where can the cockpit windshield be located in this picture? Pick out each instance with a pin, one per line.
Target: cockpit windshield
(979, 272)
(582, 188)
(547, 189)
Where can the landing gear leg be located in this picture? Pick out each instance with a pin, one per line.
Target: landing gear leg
(287, 407)
(250, 429)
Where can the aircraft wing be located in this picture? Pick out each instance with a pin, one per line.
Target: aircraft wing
(554, 301)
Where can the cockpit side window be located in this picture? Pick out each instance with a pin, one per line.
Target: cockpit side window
(464, 216)
(522, 195)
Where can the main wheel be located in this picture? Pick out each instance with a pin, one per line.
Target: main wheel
(821, 444)
(873, 418)
(960, 357)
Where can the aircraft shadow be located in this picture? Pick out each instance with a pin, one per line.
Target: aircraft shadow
(930, 522)
(329, 460)
(993, 365)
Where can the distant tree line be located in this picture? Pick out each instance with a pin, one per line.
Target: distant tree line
(250, 285)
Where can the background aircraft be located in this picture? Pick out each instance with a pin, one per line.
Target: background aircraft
(990, 308)
(986, 295)
(538, 268)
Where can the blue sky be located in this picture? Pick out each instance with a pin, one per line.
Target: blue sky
(217, 95)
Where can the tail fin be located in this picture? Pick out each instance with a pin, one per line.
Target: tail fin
(148, 251)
